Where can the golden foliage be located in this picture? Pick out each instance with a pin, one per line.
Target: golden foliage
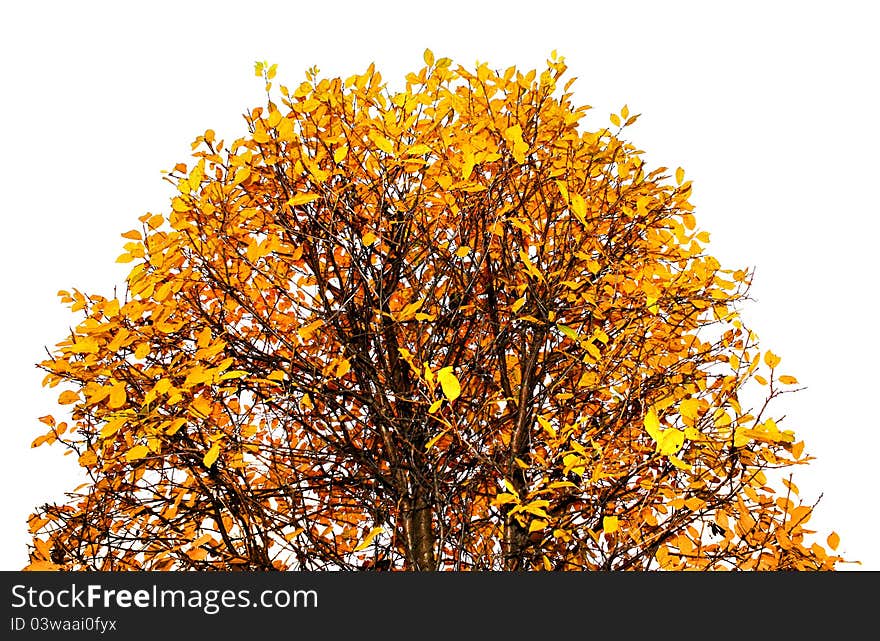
(446, 327)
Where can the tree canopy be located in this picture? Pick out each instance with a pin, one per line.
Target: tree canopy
(446, 327)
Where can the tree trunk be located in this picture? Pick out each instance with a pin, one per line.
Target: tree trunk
(419, 534)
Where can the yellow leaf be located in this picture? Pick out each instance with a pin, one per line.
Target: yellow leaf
(462, 251)
(137, 452)
(372, 534)
(721, 418)
(652, 424)
(117, 396)
(518, 303)
(68, 397)
(573, 463)
(771, 359)
(610, 524)
(175, 426)
(340, 154)
(382, 142)
(428, 57)
(689, 408)
(343, 368)
(529, 266)
(833, 540)
(514, 133)
(434, 440)
(677, 462)
(536, 508)
(134, 234)
(302, 199)
(468, 165)
(369, 238)
(285, 129)
(409, 311)
(435, 406)
(692, 434)
(563, 189)
(547, 426)
(418, 150)
(84, 346)
(568, 331)
(241, 175)
(520, 147)
(112, 427)
(537, 524)
(579, 207)
(741, 437)
(162, 386)
(679, 176)
(671, 440)
(785, 379)
(615, 120)
(211, 455)
(236, 373)
(449, 383)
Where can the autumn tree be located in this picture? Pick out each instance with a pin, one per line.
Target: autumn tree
(446, 327)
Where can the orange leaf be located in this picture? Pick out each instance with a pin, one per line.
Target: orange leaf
(68, 397)
(833, 540)
(42, 566)
(117, 396)
(302, 199)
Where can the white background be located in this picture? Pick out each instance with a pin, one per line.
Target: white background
(771, 108)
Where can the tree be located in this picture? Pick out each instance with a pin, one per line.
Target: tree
(444, 328)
